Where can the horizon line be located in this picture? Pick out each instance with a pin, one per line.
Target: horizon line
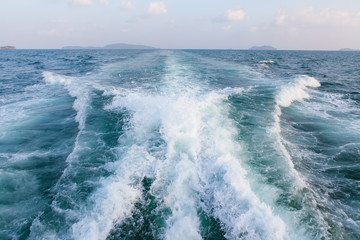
(239, 49)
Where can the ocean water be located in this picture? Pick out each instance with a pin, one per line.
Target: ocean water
(193, 144)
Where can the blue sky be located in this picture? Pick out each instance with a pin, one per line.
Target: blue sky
(298, 24)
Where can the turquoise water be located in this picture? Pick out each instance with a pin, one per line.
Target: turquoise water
(195, 144)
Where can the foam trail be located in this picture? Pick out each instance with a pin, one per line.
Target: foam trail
(176, 177)
(181, 125)
(115, 196)
(226, 190)
(181, 132)
(288, 94)
(114, 200)
(175, 113)
(334, 115)
(77, 90)
(80, 91)
(202, 167)
(199, 166)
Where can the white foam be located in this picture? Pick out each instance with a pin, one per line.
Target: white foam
(199, 167)
(77, 89)
(40, 231)
(203, 160)
(114, 200)
(335, 110)
(267, 61)
(18, 110)
(177, 117)
(288, 94)
(111, 203)
(232, 91)
(225, 184)
(80, 91)
(296, 91)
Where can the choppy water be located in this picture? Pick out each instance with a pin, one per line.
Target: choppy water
(108, 144)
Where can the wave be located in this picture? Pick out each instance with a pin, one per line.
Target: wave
(180, 137)
(318, 139)
(63, 190)
(177, 144)
(296, 91)
(288, 94)
(30, 140)
(201, 167)
(267, 61)
(76, 89)
(113, 201)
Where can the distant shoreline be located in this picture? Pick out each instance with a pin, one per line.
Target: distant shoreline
(181, 49)
(263, 48)
(8, 48)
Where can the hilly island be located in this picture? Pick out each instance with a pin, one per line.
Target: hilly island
(7, 48)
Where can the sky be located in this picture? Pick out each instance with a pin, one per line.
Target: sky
(181, 24)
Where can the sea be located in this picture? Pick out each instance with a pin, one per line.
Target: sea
(179, 144)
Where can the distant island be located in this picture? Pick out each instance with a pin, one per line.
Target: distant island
(7, 48)
(265, 47)
(349, 49)
(112, 46)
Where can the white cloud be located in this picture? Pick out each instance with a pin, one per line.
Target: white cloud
(325, 16)
(56, 33)
(157, 8)
(105, 2)
(280, 19)
(101, 26)
(127, 5)
(50, 32)
(235, 15)
(227, 27)
(293, 31)
(80, 2)
(253, 29)
(321, 17)
(60, 21)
